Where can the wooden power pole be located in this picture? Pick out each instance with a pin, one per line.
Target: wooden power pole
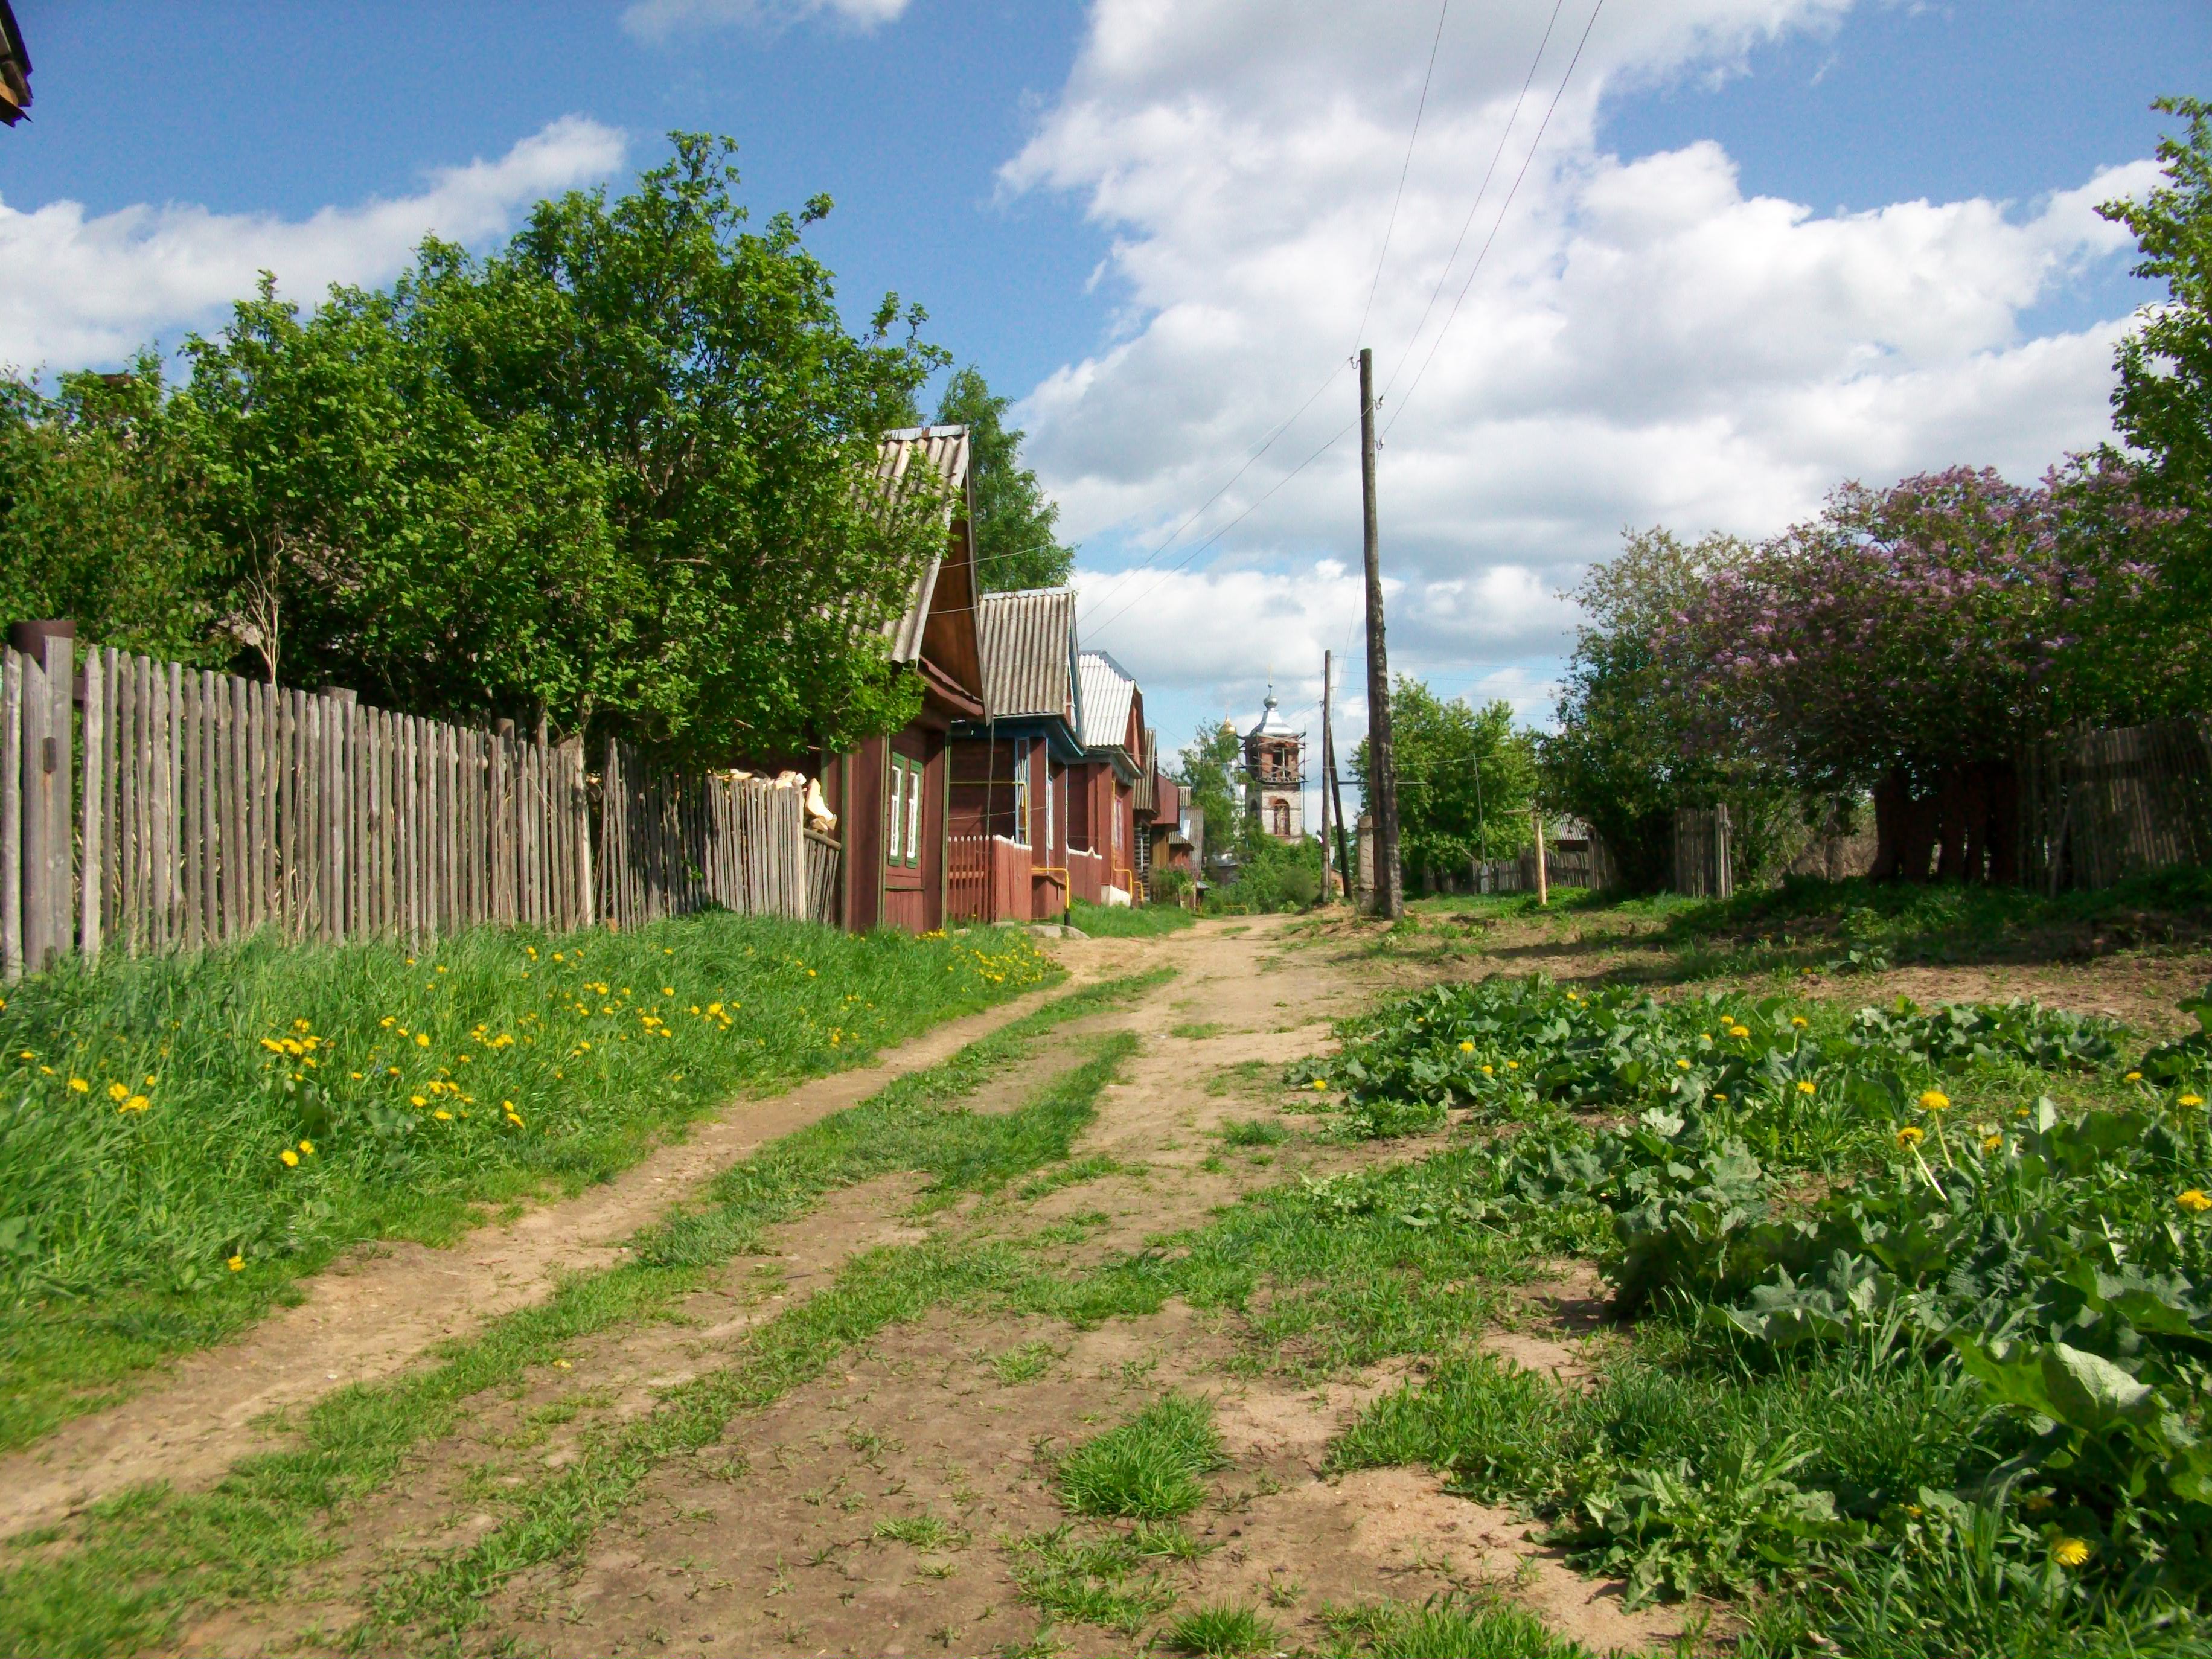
(1381, 764)
(1328, 852)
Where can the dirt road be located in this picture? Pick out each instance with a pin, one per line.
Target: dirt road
(900, 1498)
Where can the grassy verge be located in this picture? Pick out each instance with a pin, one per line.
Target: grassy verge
(1916, 1366)
(1129, 921)
(122, 1578)
(183, 1138)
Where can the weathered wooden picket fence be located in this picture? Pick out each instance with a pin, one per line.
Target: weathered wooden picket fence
(673, 844)
(213, 807)
(1702, 869)
(2099, 806)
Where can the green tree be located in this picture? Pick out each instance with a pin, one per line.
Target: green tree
(618, 474)
(1624, 755)
(1208, 769)
(100, 515)
(2162, 405)
(1467, 779)
(1015, 544)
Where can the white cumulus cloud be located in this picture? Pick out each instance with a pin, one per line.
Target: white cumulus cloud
(1645, 341)
(89, 289)
(656, 20)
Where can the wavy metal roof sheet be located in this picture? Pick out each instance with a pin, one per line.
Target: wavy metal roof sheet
(1027, 641)
(1108, 690)
(899, 474)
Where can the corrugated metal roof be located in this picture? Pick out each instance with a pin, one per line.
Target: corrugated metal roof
(1107, 690)
(1027, 641)
(897, 476)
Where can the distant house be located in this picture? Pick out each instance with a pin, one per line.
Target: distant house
(1101, 825)
(15, 69)
(1008, 844)
(890, 794)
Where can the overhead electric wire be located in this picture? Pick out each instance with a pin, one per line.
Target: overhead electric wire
(1474, 206)
(1503, 207)
(1404, 168)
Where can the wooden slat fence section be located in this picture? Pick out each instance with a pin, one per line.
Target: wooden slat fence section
(2097, 807)
(213, 807)
(672, 845)
(1701, 852)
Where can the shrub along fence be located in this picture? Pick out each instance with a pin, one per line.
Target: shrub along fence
(212, 807)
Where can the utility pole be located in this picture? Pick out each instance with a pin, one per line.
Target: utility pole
(1328, 891)
(1382, 763)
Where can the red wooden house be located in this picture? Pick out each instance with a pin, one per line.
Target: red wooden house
(1102, 823)
(1008, 844)
(890, 794)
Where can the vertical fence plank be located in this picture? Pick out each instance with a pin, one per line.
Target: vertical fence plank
(11, 812)
(92, 881)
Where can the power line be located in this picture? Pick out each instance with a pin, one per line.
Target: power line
(1535, 145)
(1419, 109)
(1482, 190)
(1121, 576)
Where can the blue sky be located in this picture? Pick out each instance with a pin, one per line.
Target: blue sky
(1157, 230)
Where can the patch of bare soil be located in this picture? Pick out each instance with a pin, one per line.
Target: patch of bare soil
(380, 1307)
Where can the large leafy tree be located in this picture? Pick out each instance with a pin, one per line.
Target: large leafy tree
(1622, 756)
(1208, 769)
(618, 475)
(1467, 779)
(2162, 403)
(1016, 545)
(101, 500)
(1910, 639)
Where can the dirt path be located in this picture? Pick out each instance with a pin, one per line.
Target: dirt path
(380, 1307)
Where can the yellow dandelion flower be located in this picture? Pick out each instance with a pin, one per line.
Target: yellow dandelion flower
(1990, 1143)
(135, 1103)
(1683, 1064)
(1466, 1048)
(1910, 1136)
(1512, 1065)
(668, 990)
(236, 1264)
(2191, 1100)
(1807, 1088)
(1738, 1032)
(290, 1157)
(80, 1085)
(1486, 1072)
(307, 1149)
(422, 1039)
(1717, 1095)
(1935, 1100)
(1798, 1020)
(2194, 1201)
(2069, 1552)
(416, 1100)
(117, 1091)
(442, 1115)
(2132, 1077)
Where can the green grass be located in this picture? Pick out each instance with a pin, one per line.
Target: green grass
(1114, 1581)
(1151, 1467)
(186, 1137)
(923, 1532)
(1450, 1627)
(1253, 1131)
(1128, 921)
(1197, 1031)
(120, 1578)
(1223, 1631)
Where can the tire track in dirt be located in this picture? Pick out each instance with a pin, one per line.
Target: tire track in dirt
(381, 1307)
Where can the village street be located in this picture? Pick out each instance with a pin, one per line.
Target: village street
(897, 1501)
